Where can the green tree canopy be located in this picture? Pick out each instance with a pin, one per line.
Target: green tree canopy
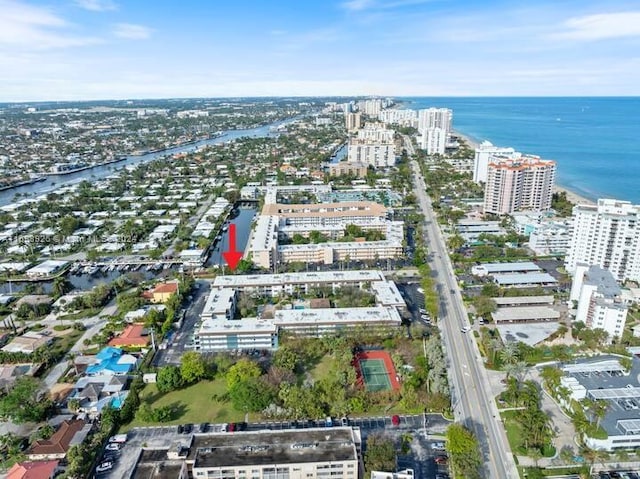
(251, 395)
(193, 368)
(464, 452)
(169, 379)
(380, 454)
(23, 403)
(243, 370)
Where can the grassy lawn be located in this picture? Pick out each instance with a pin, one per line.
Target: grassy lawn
(66, 342)
(514, 435)
(514, 432)
(322, 369)
(194, 404)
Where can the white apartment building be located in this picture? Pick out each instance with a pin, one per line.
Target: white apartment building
(516, 185)
(600, 303)
(485, 153)
(216, 335)
(435, 118)
(352, 121)
(375, 132)
(433, 140)
(218, 330)
(291, 454)
(371, 107)
(399, 117)
(376, 154)
(321, 214)
(261, 248)
(274, 285)
(607, 235)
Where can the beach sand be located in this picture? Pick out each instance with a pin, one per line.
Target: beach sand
(573, 196)
(470, 142)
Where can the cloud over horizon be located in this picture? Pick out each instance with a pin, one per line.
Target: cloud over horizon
(92, 49)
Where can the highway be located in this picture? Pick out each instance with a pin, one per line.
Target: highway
(471, 396)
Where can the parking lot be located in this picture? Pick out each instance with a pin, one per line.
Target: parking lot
(162, 437)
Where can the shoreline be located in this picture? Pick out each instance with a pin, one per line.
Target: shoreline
(573, 196)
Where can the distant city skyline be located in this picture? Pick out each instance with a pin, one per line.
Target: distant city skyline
(112, 49)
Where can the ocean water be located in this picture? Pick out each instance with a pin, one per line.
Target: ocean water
(594, 140)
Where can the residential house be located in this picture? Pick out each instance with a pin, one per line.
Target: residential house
(112, 361)
(56, 447)
(34, 470)
(134, 336)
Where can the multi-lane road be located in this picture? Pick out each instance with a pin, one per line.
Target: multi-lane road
(471, 396)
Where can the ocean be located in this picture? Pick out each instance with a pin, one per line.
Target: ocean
(594, 140)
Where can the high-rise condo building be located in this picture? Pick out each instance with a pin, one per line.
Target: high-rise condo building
(372, 106)
(485, 153)
(517, 185)
(352, 121)
(435, 118)
(607, 235)
(434, 141)
(599, 297)
(376, 154)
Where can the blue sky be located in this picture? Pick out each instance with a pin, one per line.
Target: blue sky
(102, 49)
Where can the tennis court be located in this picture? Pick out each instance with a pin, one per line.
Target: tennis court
(375, 375)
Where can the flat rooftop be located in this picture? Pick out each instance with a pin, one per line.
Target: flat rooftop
(336, 316)
(273, 447)
(527, 313)
(528, 333)
(158, 470)
(603, 379)
(261, 280)
(523, 279)
(491, 268)
(513, 300)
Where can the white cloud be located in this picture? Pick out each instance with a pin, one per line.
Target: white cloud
(360, 5)
(31, 27)
(357, 5)
(131, 31)
(97, 5)
(601, 26)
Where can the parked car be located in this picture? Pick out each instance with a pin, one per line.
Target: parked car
(180, 428)
(345, 421)
(395, 420)
(441, 460)
(188, 428)
(437, 446)
(204, 427)
(113, 446)
(104, 467)
(121, 438)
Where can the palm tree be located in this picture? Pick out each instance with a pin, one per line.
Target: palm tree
(551, 376)
(509, 353)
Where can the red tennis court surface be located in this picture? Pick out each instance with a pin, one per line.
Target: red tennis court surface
(375, 371)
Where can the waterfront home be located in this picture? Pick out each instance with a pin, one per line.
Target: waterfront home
(162, 292)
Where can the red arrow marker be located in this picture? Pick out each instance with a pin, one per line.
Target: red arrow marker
(232, 257)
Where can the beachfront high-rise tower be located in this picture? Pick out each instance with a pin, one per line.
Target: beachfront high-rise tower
(519, 185)
(607, 235)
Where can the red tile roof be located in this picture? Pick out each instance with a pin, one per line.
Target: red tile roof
(33, 470)
(131, 336)
(58, 443)
(166, 288)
